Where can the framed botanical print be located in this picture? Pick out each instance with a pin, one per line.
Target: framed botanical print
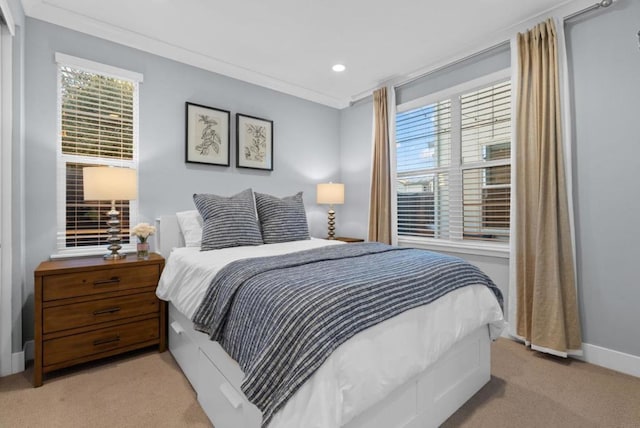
(254, 142)
(207, 135)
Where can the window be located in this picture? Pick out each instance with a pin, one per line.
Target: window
(453, 165)
(98, 117)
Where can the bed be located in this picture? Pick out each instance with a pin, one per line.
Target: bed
(379, 378)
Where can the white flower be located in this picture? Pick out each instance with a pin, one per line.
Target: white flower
(143, 231)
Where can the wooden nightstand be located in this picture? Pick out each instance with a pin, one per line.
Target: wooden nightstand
(91, 308)
(349, 240)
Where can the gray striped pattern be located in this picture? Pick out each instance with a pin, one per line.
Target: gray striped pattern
(228, 221)
(282, 219)
(280, 317)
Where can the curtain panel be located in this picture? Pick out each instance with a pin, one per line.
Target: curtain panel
(547, 316)
(380, 201)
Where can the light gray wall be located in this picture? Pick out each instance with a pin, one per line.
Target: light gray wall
(604, 63)
(484, 63)
(306, 137)
(604, 69)
(355, 168)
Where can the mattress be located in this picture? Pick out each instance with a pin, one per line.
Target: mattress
(366, 368)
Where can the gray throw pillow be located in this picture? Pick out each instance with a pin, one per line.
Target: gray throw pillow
(228, 221)
(282, 219)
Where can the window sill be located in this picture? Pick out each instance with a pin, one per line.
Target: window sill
(487, 249)
(68, 253)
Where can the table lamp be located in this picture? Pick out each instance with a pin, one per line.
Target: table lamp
(110, 184)
(330, 193)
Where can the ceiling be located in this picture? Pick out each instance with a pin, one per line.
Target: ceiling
(290, 45)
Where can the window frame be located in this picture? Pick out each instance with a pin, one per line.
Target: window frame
(453, 93)
(63, 60)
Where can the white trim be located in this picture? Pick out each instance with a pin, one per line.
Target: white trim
(68, 18)
(62, 251)
(17, 362)
(455, 169)
(84, 24)
(8, 16)
(67, 253)
(6, 248)
(505, 331)
(391, 119)
(513, 236)
(488, 249)
(614, 360)
(98, 68)
(593, 354)
(29, 350)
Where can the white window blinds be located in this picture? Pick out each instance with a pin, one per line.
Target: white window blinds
(97, 115)
(97, 126)
(453, 166)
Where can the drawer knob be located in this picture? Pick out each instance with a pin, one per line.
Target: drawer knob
(103, 282)
(107, 311)
(113, 339)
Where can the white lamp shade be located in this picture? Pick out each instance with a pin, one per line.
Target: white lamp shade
(109, 184)
(330, 193)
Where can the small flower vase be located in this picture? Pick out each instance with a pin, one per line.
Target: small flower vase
(143, 250)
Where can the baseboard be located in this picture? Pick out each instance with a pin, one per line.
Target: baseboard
(19, 359)
(614, 360)
(599, 356)
(505, 331)
(17, 362)
(29, 350)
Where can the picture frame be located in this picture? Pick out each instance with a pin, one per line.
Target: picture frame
(207, 135)
(254, 142)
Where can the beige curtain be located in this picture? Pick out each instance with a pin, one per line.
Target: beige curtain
(380, 201)
(547, 311)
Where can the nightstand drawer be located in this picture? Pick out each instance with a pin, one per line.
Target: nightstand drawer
(97, 341)
(97, 311)
(89, 308)
(98, 281)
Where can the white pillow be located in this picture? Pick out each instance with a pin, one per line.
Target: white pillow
(191, 227)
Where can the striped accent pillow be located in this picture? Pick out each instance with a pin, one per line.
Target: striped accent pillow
(228, 221)
(282, 219)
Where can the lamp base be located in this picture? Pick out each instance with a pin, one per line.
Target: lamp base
(332, 224)
(114, 235)
(116, 256)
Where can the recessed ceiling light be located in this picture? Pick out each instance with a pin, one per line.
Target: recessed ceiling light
(338, 68)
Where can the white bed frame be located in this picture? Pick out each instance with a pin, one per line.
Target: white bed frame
(427, 400)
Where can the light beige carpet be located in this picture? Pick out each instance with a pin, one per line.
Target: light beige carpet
(527, 389)
(139, 390)
(530, 389)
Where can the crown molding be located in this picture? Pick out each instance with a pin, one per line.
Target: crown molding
(40, 9)
(5, 12)
(480, 44)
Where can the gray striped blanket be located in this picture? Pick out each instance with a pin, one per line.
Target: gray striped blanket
(280, 317)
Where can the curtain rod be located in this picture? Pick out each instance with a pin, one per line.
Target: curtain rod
(407, 80)
(451, 64)
(600, 4)
(415, 76)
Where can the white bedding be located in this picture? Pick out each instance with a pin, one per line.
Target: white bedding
(366, 368)
(189, 271)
